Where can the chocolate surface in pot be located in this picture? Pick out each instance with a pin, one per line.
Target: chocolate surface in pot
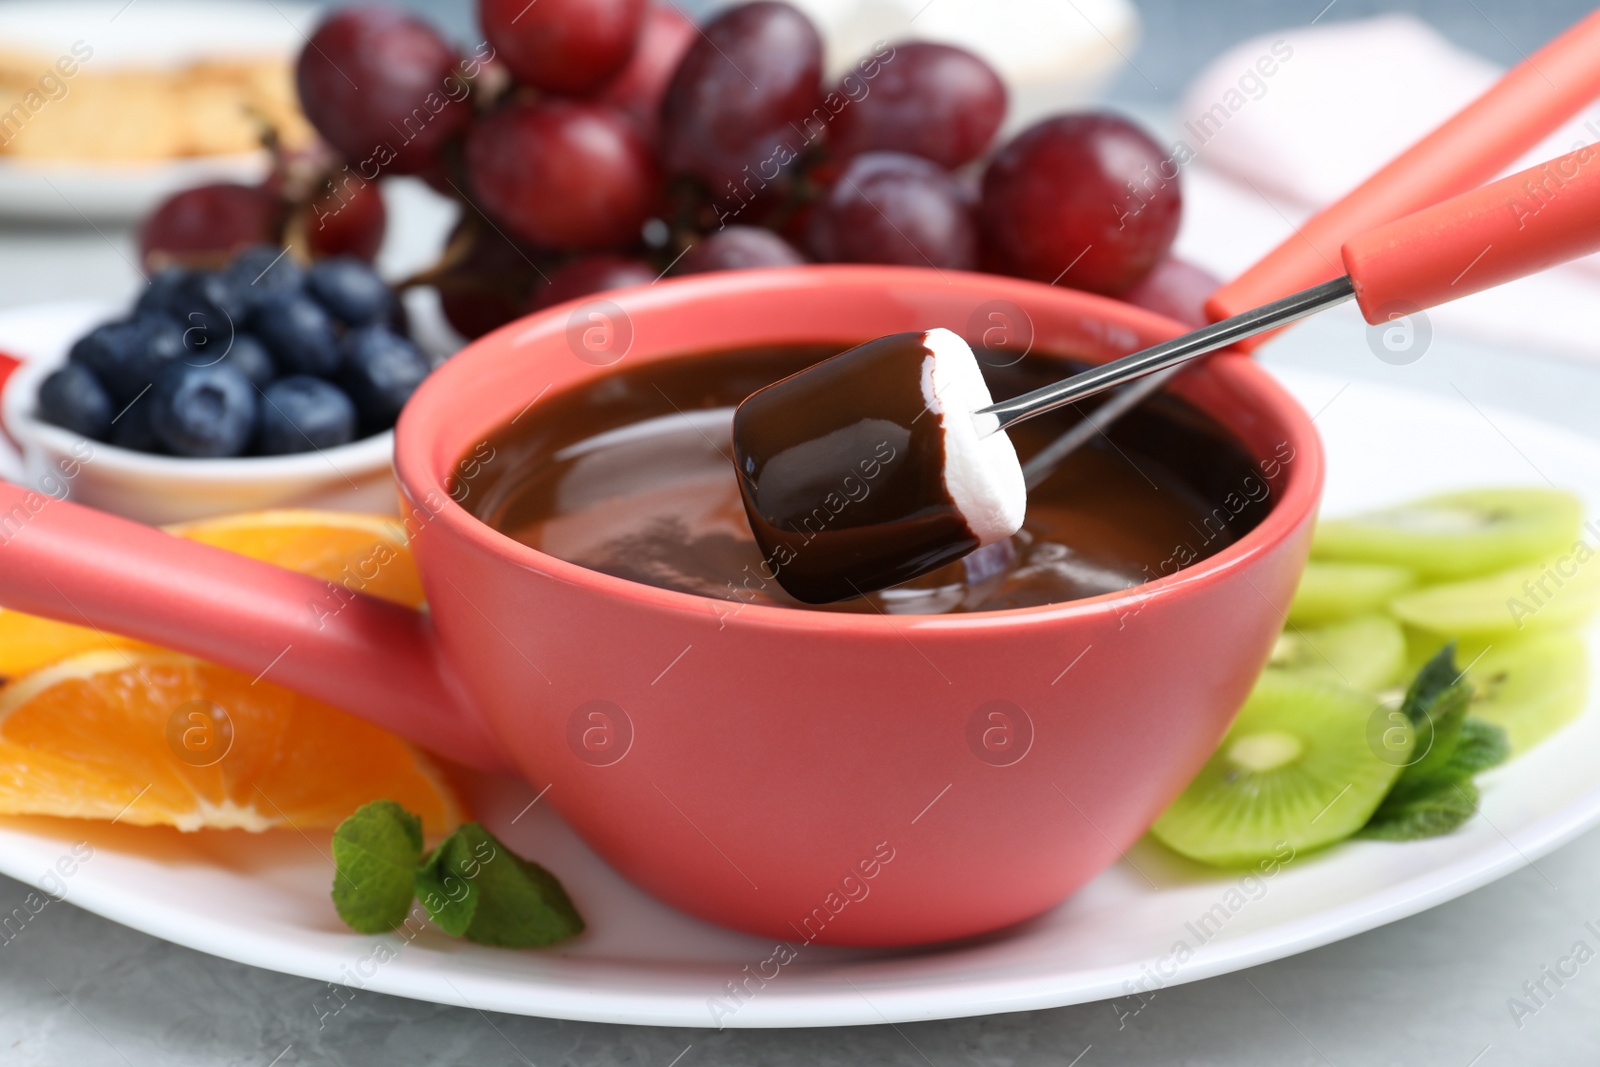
(633, 475)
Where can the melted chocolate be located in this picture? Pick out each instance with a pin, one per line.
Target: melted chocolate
(632, 476)
(842, 473)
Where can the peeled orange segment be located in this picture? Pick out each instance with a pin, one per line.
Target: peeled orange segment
(154, 738)
(1457, 535)
(360, 553)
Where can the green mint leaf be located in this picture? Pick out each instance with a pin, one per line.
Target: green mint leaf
(514, 902)
(1426, 809)
(471, 885)
(1436, 676)
(530, 909)
(1481, 745)
(375, 854)
(1436, 704)
(450, 897)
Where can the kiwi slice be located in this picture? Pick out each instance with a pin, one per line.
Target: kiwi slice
(1365, 653)
(1296, 771)
(1530, 686)
(1423, 645)
(1332, 591)
(1457, 535)
(1551, 596)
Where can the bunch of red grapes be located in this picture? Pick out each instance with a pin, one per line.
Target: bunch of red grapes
(603, 143)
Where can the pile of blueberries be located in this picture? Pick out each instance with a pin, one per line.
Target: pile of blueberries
(263, 357)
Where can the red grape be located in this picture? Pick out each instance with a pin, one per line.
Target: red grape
(591, 274)
(563, 174)
(638, 89)
(491, 284)
(1177, 289)
(209, 222)
(1087, 199)
(931, 100)
(888, 207)
(795, 227)
(383, 88)
(563, 46)
(474, 312)
(741, 96)
(346, 219)
(690, 208)
(440, 177)
(739, 248)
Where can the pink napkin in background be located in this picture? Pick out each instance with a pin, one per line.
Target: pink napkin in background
(1341, 100)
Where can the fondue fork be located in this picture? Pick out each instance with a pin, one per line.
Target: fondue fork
(1169, 354)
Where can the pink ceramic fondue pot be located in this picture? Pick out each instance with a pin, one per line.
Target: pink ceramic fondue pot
(842, 778)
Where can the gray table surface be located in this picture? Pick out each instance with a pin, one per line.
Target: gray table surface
(1432, 989)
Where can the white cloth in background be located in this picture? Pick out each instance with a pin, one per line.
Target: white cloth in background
(1350, 97)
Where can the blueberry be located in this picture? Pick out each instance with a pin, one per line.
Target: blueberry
(158, 296)
(250, 357)
(298, 333)
(209, 311)
(380, 371)
(135, 428)
(261, 271)
(128, 356)
(158, 342)
(203, 411)
(399, 320)
(301, 413)
(74, 399)
(97, 348)
(350, 290)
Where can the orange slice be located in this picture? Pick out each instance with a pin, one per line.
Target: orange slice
(365, 553)
(154, 738)
(28, 642)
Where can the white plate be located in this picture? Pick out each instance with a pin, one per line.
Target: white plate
(137, 33)
(263, 900)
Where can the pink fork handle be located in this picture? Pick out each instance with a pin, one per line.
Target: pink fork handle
(1519, 225)
(375, 659)
(1473, 146)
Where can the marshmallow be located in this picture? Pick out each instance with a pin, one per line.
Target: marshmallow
(982, 474)
(868, 469)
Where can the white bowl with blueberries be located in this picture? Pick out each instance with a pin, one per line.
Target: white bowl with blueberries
(262, 384)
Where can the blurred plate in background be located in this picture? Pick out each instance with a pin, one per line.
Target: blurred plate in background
(138, 43)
